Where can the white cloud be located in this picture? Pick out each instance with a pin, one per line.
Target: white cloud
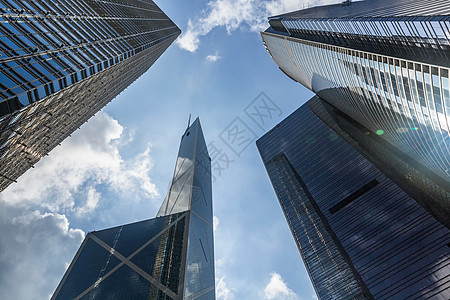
(36, 235)
(219, 263)
(227, 13)
(277, 289)
(34, 243)
(189, 40)
(212, 58)
(92, 198)
(223, 292)
(216, 222)
(70, 178)
(232, 14)
(276, 7)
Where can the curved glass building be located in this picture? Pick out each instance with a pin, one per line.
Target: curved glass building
(362, 170)
(386, 66)
(61, 62)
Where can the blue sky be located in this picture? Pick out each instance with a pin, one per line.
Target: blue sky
(116, 169)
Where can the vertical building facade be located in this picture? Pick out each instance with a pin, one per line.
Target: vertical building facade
(360, 235)
(61, 62)
(168, 257)
(361, 170)
(386, 65)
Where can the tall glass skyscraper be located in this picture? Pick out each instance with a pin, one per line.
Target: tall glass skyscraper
(61, 62)
(360, 235)
(386, 65)
(362, 170)
(168, 257)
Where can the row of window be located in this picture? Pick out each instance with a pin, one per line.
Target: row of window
(416, 37)
(42, 54)
(434, 29)
(330, 272)
(340, 76)
(61, 113)
(419, 94)
(393, 243)
(77, 8)
(424, 185)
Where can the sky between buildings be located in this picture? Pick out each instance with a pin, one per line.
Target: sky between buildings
(117, 168)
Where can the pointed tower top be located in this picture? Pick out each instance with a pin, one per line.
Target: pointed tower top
(192, 176)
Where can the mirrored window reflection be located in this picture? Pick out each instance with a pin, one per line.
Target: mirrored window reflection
(406, 100)
(386, 234)
(62, 62)
(200, 259)
(141, 260)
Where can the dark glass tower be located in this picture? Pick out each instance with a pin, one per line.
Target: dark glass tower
(360, 235)
(61, 62)
(168, 257)
(362, 171)
(386, 65)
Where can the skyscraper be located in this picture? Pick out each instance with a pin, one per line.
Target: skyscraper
(359, 234)
(61, 62)
(386, 65)
(361, 170)
(168, 257)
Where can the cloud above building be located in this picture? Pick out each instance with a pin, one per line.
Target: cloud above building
(233, 14)
(83, 164)
(37, 238)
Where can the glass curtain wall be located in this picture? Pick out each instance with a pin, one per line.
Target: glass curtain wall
(405, 102)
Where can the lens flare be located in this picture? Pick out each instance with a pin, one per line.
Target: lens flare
(402, 130)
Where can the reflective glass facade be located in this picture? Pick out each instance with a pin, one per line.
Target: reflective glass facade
(135, 261)
(426, 37)
(191, 190)
(417, 30)
(386, 66)
(61, 62)
(360, 234)
(168, 257)
(427, 189)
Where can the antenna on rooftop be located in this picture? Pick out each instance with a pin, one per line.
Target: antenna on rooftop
(189, 124)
